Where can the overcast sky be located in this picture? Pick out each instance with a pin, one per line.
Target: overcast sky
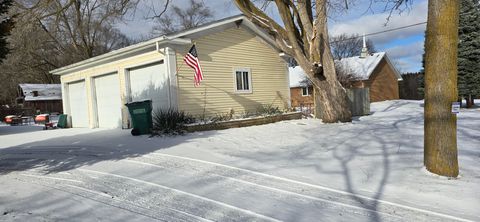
(404, 46)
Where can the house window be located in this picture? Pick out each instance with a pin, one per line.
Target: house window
(34, 93)
(243, 80)
(306, 91)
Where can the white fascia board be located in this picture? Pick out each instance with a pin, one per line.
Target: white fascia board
(108, 56)
(114, 55)
(245, 22)
(180, 41)
(206, 27)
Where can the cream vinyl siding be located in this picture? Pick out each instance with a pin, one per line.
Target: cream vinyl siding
(220, 54)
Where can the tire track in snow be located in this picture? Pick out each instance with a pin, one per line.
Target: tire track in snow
(271, 180)
(292, 199)
(207, 208)
(108, 196)
(260, 216)
(325, 202)
(162, 214)
(244, 174)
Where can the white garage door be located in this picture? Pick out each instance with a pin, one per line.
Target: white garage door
(77, 97)
(150, 82)
(107, 92)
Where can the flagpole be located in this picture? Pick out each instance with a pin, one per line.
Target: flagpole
(178, 68)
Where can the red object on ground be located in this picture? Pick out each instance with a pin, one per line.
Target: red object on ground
(9, 119)
(42, 118)
(49, 125)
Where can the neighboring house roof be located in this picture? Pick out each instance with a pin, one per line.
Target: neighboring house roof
(297, 77)
(362, 68)
(43, 92)
(177, 38)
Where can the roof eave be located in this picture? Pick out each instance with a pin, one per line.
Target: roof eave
(174, 39)
(107, 56)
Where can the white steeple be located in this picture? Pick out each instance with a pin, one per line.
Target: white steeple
(364, 52)
(364, 41)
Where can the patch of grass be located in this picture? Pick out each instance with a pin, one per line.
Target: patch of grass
(221, 117)
(268, 110)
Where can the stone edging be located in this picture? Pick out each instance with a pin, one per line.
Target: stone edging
(243, 122)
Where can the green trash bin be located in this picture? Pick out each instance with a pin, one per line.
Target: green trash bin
(141, 115)
(62, 121)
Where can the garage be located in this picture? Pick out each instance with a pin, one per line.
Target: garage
(150, 82)
(77, 98)
(108, 104)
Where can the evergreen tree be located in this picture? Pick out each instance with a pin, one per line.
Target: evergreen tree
(469, 50)
(5, 27)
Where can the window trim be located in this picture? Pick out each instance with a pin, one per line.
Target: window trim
(308, 91)
(242, 69)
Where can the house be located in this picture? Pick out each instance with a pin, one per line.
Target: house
(374, 71)
(242, 69)
(301, 90)
(41, 98)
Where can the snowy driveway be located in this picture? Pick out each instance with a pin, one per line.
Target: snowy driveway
(368, 170)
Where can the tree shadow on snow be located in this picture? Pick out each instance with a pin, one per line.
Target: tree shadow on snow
(339, 152)
(66, 153)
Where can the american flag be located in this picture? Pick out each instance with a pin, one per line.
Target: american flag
(191, 59)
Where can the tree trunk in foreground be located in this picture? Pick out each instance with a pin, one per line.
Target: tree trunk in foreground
(331, 101)
(440, 142)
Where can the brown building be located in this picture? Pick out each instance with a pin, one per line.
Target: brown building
(41, 98)
(301, 90)
(374, 71)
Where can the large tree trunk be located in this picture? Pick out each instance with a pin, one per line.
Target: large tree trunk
(440, 155)
(331, 102)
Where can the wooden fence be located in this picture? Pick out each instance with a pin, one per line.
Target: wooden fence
(359, 99)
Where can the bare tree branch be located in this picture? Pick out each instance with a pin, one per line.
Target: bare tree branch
(183, 18)
(157, 15)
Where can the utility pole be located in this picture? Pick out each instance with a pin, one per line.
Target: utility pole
(440, 139)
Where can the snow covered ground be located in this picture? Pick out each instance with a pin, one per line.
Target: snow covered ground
(301, 170)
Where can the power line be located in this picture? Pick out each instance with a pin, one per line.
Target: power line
(380, 32)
